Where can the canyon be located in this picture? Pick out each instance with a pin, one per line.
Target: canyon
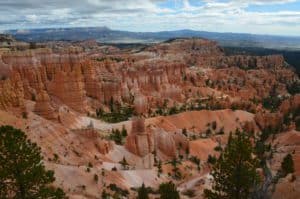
(180, 98)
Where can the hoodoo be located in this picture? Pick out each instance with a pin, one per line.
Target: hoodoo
(109, 119)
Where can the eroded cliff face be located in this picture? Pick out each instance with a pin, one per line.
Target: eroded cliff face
(12, 93)
(55, 87)
(139, 141)
(144, 141)
(70, 77)
(176, 71)
(46, 76)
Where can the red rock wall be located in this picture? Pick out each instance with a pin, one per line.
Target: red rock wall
(159, 72)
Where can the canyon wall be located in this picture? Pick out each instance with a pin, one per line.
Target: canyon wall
(170, 70)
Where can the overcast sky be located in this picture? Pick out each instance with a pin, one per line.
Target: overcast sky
(277, 17)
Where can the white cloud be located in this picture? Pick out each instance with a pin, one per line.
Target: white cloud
(147, 15)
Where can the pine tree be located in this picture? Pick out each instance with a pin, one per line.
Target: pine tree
(124, 131)
(287, 165)
(159, 168)
(234, 172)
(124, 163)
(184, 132)
(143, 192)
(168, 191)
(22, 173)
(105, 195)
(111, 104)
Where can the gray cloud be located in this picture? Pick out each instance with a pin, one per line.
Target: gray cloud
(147, 15)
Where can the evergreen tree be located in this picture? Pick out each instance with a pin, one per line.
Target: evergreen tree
(234, 172)
(287, 165)
(176, 171)
(124, 163)
(111, 104)
(143, 192)
(105, 195)
(96, 178)
(124, 131)
(184, 132)
(168, 191)
(159, 168)
(187, 152)
(211, 159)
(22, 173)
(197, 161)
(116, 136)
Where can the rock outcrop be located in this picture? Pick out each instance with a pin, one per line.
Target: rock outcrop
(11, 93)
(139, 142)
(43, 106)
(175, 71)
(190, 88)
(170, 144)
(143, 141)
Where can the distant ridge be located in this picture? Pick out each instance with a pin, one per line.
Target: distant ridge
(106, 35)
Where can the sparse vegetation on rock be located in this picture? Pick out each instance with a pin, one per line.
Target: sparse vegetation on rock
(168, 191)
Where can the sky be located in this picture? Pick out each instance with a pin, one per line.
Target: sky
(275, 17)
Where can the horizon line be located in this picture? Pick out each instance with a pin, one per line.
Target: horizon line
(4, 31)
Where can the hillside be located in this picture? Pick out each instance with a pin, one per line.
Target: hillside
(177, 99)
(106, 35)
